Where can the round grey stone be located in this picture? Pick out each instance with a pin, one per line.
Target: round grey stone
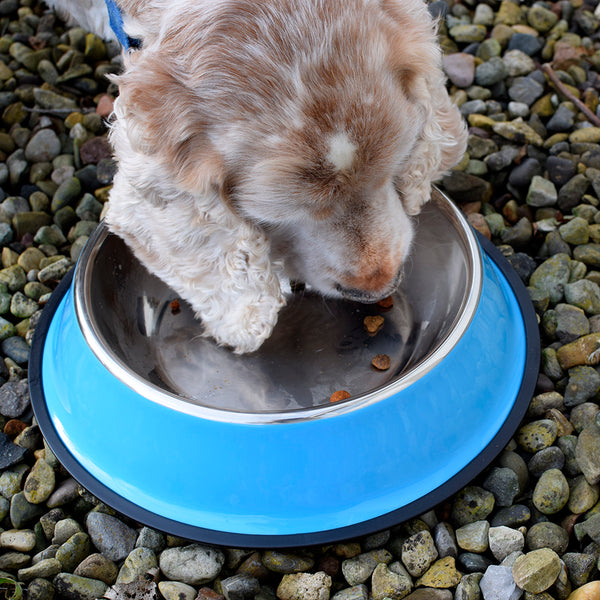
(110, 535)
(44, 146)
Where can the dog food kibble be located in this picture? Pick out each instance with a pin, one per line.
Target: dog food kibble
(381, 362)
(339, 395)
(175, 308)
(386, 302)
(373, 324)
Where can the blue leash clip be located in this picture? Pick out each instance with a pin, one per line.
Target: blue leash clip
(116, 22)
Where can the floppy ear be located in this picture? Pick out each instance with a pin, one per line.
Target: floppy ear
(417, 64)
(168, 202)
(164, 119)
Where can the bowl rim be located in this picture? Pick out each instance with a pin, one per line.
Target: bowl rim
(82, 290)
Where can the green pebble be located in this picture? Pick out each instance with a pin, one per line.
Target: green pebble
(551, 492)
(67, 192)
(23, 307)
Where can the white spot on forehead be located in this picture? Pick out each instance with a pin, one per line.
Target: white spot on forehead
(341, 151)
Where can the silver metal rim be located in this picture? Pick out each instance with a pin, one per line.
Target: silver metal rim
(116, 368)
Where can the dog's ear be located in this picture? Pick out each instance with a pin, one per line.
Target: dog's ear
(416, 61)
(163, 118)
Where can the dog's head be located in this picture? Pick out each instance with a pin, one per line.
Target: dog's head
(322, 123)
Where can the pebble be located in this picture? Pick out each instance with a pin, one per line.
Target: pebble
(73, 551)
(473, 537)
(74, 586)
(460, 68)
(536, 571)
(541, 192)
(138, 562)
(175, 590)
(551, 492)
(194, 564)
(304, 586)
(358, 569)
(547, 535)
(39, 483)
(587, 453)
(418, 553)
(504, 540)
(471, 504)
(497, 583)
(110, 535)
(441, 574)
(97, 566)
(504, 484)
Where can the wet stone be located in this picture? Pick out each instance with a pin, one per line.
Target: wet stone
(584, 294)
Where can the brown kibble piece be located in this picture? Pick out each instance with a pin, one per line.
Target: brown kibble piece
(381, 362)
(386, 302)
(373, 324)
(339, 395)
(175, 308)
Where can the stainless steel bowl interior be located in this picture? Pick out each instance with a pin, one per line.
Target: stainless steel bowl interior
(318, 347)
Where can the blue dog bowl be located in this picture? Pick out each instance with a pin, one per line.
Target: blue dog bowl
(184, 436)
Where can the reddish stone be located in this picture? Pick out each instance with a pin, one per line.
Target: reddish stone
(566, 56)
(478, 222)
(105, 106)
(208, 594)
(14, 427)
(329, 565)
(94, 150)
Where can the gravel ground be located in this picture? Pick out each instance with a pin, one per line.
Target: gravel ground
(526, 78)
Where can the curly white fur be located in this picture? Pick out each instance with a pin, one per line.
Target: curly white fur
(257, 138)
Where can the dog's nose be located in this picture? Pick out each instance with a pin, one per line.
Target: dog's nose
(369, 289)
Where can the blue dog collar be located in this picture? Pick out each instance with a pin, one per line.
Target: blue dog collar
(116, 22)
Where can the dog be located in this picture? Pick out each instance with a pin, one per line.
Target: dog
(262, 141)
